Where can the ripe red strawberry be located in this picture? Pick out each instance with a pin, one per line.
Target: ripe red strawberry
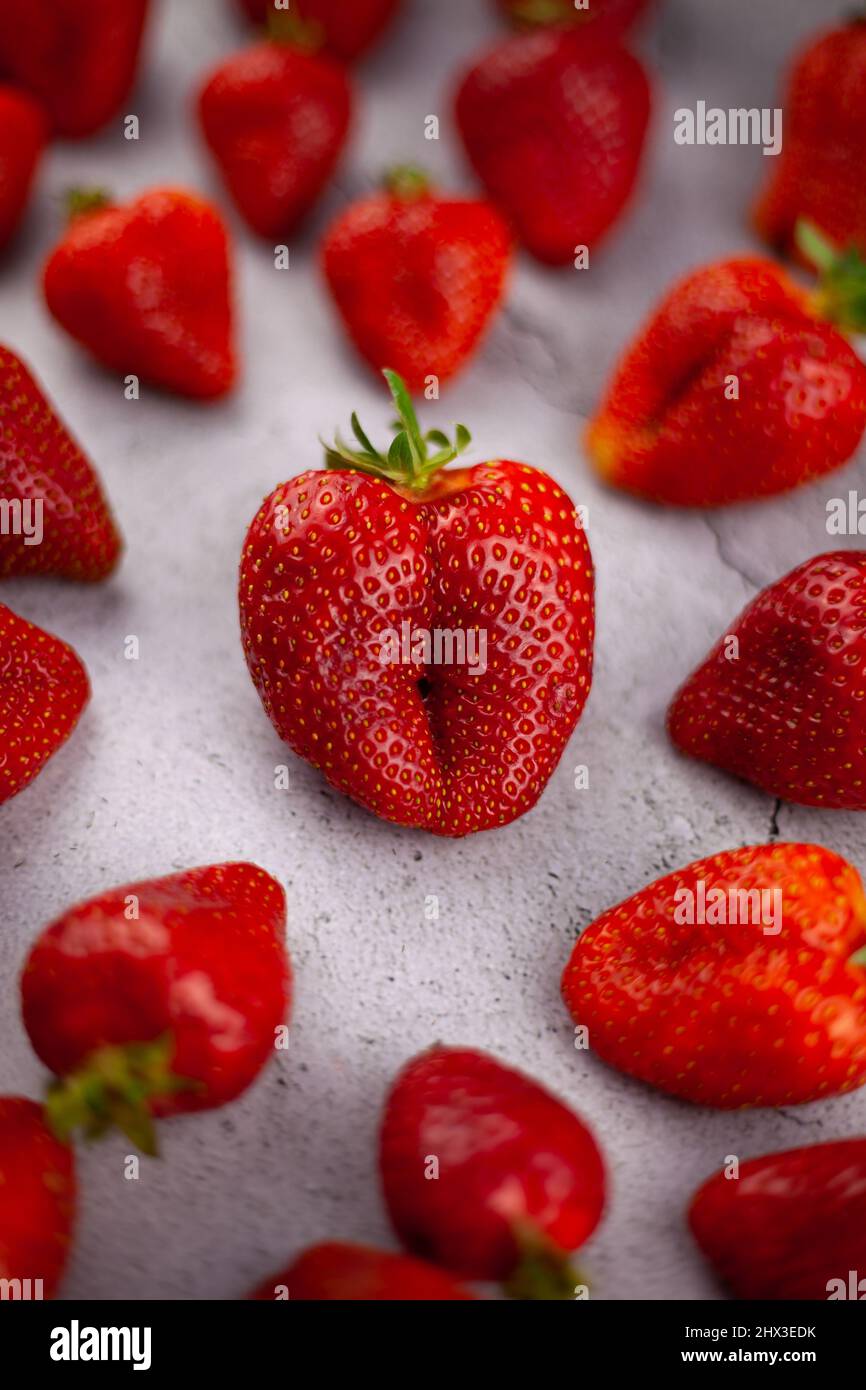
(733, 390)
(611, 17)
(554, 123)
(790, 1226)
(77, 56)
(339, 1272)
(158, 998)
(53, 510)
(145, 288)
(734, 981)
(487, 1173)
(416, 276)
(43, 689)
(819, 173)
(786, 710)
(347, 30)
(22, 140)
(276, 118)
(423, 638)
(37, 1201)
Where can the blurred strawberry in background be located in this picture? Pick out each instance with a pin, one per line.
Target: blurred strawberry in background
(349, 27)
(79, 57)
(23, 129)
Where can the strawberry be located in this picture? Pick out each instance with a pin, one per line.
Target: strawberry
(22, 140)
(416, 276)
(37, 1201)
(487, 1173)
(339, 1272)
(70, 530)
(733, 390)
(785, 711)
(78, 57)
(819, 172)
(276, 119)
(43, 689)
(144, 287)
(738, 980)
(346, 30)
(423, 638)
(554, 123)
(158, 998)
(790, 1225)
(611, 17)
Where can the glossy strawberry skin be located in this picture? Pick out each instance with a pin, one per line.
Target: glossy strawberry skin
(667, 430)
(145, 288)
(43, 690)
(335, 560)
(417, 280)
(789, 1224)
(40, 461)
(37, 1198)
(337, 1271)
(204, 962)
(23, 132)
(276, 120)
(819, 172)
(554, 123)
(347, 30)
(789, 713)
(726, 1014)
(78, 57)
(514, 1164)
(611, 17)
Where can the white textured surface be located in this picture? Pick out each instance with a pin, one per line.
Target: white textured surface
(173, 762)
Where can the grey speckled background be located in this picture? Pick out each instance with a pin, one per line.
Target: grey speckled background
(173, 763)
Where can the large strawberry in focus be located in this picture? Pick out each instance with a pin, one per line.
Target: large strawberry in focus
(23, 130)
(276, 118)
(789, 1225)
(37, 1202)
(735, 389)
(783, 705)
(819, 172)
(158, 998)
(738, 980)
(78, 57)
(424, 637)
(417, 276)
(347, 28)
(337, 1271)
(43, 689)
(487, 1173)
(145, 288)
(554, 124)
(63, 525)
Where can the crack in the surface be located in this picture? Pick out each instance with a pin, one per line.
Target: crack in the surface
(774, 819)
(728, 562)
(520, 325)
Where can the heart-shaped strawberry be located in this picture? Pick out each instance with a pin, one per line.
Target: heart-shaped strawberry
(781, 699)
(424, 638)
(43, 689)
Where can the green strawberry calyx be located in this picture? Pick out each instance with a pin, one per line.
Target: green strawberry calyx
(112, 1090)
(80, 201)
(285, 27)
(858, 958)
(409, 462)
(543, 1272)
(406, 182)
(841, 295)
(530, 12)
